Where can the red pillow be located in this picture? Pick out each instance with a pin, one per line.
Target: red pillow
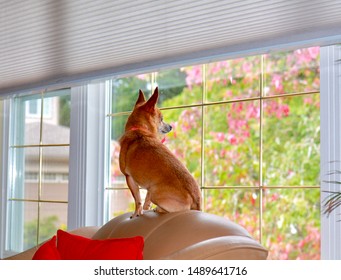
(47, 251)
(74, 247)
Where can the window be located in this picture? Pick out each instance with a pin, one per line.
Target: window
(39, 156)
(248, 130)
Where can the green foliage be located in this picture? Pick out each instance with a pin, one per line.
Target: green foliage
(65, 108)
(125, 93)
(47, 228)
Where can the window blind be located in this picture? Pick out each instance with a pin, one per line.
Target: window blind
(44, 43)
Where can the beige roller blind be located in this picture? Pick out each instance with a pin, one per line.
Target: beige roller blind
(46, 42)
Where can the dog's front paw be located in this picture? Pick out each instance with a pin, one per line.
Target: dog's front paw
(137, 213)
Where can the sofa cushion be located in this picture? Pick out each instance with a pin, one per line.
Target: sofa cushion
(74, 247)
(185, 235)
(47, 251)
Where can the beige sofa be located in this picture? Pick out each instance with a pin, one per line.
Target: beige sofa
(178, 236)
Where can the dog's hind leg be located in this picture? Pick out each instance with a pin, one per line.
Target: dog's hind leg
(168, 204)
(160, 210)
(135, 191)
(147, 201)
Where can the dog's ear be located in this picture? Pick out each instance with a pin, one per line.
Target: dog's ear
(150, 105)
(141, 99)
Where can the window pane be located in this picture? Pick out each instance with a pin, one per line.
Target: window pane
(125, 91)
(56, 120)
(55, 164)
(295, 71)
(180, 86)
(117, 178)
(291, 141)
(291, 226)
(117, 126)
(22, 231)
(26, 126)
(53, 217)
(233, 79)
(34, 108)
(24, 174)
(239, 205)
(232, 144)
(30, 223)
(184, 140)
(117, 130)
(46, 219)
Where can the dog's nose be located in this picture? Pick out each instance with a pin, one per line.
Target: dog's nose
(165, 128)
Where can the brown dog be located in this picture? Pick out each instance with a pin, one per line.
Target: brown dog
(147, 163)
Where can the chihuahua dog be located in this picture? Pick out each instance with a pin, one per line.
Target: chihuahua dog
(147, 163)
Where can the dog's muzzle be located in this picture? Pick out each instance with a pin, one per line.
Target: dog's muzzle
(166, 128)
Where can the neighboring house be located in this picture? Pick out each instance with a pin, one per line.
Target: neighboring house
(55, 164)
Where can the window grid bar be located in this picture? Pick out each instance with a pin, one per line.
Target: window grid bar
(259, 187)
(37, 200)
(203, 98)
(153, 82)
(40, 173)
(284, 95)
(261, 116)
(116, 189)
(39, 145)
(237, 187)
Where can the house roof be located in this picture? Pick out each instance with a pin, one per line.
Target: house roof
(52, 134)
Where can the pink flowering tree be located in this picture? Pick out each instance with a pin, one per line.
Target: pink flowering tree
(235, 155)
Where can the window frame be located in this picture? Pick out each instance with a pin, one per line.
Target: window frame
(88, 163)
(203, 104)
(5, 121)
(330, 151)
(86, 209)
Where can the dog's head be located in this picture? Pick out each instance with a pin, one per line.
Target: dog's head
(147, 116)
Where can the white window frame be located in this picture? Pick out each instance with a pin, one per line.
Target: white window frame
(89, 163)
(4, 126)
(330, 159)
